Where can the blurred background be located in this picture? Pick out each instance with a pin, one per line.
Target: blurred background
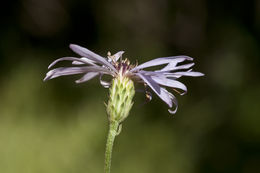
(60, 127)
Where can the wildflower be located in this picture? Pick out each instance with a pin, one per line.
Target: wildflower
(121, 87)
(95, 65)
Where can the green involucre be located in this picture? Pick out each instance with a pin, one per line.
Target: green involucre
(120, 99)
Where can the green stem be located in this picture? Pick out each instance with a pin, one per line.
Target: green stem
(113, 127)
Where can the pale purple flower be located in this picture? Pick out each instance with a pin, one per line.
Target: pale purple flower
(92, 65)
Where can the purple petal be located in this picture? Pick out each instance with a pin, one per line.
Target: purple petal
(160, 61)
(161, 92)
(105, 84)
(165, 96)
(171, 67)
(64, 71)
(84, 61)
(170, 83)
(91, 55)
(175, 102)
(152, 73)
(189, 73)
(116, 56)
(66, 59)
(87, 77)
(152, 84)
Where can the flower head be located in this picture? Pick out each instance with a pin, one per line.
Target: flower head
(92, 65)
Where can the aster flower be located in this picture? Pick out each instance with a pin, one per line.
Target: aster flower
(93, 65)
(121, 87)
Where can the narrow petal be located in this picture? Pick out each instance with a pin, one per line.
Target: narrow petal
(66, 59)
(161, 92)
(105, 84)
(84, 61)
(165, 96)
(157, 74)
(185, 66)
(87, 77)
(171, 67)
(191, 73)
(116, 56)
(170, 83)
(151, 83)
(91, 55)
(153, 73)
(64, 71)
(160, 61)
(175, 102)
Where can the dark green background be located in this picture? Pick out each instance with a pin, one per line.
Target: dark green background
(60, 127)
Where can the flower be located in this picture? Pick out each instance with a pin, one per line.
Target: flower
(92, 65)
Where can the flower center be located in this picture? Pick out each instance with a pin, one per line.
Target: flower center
(123, 66)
